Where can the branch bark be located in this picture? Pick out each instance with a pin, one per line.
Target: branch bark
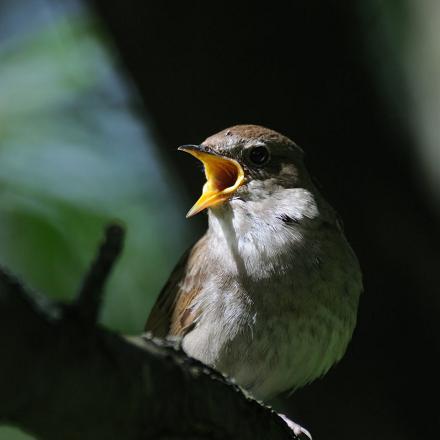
(63, 376)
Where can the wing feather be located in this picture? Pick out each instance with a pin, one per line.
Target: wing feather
(173, 312)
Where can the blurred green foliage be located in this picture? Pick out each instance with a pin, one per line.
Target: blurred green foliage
(73, 157)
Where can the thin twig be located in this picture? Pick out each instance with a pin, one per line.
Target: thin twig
(89, 299)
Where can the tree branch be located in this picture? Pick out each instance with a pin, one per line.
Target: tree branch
(62, 376)
(90, 296)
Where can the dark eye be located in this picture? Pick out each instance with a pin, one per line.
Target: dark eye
(259, 155)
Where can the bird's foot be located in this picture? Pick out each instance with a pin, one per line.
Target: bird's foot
(298, 430)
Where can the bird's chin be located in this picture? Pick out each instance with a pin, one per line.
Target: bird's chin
(222, 208)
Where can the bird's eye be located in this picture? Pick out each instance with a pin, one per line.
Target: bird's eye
(259, 155)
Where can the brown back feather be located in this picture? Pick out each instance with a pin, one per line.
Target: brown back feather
(172, 314)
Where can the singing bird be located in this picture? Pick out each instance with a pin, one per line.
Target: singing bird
(269, 294)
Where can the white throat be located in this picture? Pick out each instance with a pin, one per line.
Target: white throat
(255, 234)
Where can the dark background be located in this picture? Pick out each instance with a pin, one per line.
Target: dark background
(303, 68)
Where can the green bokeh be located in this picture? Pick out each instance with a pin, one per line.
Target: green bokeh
(73, 157)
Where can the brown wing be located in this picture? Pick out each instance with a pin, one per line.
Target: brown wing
(172, 314)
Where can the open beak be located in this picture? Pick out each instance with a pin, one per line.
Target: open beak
(223, 177)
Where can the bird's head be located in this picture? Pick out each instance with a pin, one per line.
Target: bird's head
(248, 162)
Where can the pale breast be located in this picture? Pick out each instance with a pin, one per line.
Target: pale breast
(279, 332)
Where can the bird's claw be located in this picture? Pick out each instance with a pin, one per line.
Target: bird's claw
(298, 430)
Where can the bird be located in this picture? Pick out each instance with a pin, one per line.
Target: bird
(269, 294)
